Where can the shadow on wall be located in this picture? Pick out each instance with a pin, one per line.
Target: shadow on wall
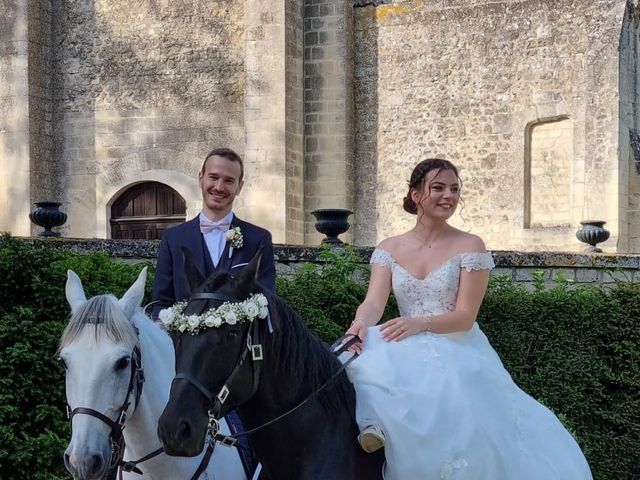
(141, 89)
(366, 116)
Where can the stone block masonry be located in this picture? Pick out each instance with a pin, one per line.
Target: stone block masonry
(465, 81)
(331, 103)
(328, 109)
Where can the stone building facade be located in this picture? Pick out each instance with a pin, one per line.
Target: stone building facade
(330, 102)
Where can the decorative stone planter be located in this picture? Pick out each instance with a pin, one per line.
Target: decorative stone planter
(48, 215)
(332, 222)
(592, 232)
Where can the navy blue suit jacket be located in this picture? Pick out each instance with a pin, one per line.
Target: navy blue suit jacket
(170, 284)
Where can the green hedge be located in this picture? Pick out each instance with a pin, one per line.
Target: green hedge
(574, 349)
(33, 311)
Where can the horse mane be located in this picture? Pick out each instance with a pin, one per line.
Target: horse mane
(306, 358)
(106, 317)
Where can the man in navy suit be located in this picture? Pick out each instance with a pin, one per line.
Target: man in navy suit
(207, 235)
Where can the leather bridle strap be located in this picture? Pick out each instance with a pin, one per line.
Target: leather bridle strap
(136, 381)
(223, 297)
(354, 339)
(216, 401)
(209, 395)
(93, 413)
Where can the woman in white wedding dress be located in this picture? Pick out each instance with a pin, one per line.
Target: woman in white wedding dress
(430, 388)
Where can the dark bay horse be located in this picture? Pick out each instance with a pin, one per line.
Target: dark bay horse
(318, 441)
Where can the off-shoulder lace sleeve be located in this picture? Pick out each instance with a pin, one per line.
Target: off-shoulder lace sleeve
(381, 257)
(477, 261)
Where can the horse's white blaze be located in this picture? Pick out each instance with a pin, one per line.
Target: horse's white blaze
(93, 381)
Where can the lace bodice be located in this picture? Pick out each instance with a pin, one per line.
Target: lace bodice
(437, 292)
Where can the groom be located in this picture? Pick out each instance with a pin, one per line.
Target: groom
(218, 240)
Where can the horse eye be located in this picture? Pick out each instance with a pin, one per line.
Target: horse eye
(122, 363)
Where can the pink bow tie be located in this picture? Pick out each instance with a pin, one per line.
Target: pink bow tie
(207, 225)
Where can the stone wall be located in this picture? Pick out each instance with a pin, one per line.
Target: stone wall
(294, 114)
(328, 107)
(465, 81)
(15, 180)
(145, 91)
(331, 103)
(521, 267)
(46, 172)
(629, 131)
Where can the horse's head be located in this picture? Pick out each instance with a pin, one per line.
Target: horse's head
(103, 379)
(212, 336)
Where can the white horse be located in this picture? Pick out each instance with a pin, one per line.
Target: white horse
(98, 348)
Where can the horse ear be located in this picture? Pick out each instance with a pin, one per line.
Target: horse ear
(74, 291)
(194, 277)
(133, 297)
(250, 272)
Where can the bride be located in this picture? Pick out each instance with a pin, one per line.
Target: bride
(430, 388)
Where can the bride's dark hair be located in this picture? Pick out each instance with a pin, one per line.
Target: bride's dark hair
(417, 178)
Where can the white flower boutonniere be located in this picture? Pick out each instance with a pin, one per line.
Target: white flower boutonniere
(235, 239)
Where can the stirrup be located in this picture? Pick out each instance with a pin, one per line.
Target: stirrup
(371, 439)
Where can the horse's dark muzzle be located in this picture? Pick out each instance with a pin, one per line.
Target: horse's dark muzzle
(178, 437)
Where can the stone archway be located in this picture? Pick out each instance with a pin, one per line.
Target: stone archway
(145, 211)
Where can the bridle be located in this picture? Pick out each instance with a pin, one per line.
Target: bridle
(116, 437)
(253, 346)
(216, 401)
(136, 381)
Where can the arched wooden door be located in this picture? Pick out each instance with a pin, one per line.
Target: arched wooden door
(145, 211)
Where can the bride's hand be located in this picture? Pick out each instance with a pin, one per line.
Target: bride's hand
(400, 328)
(359, 328)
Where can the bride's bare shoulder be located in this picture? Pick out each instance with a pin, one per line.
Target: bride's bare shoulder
(467, 242)
(393, 244)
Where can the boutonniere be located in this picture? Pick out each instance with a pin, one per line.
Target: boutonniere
(235, 239)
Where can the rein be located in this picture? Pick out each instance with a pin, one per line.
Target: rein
(352, 340)
(216, 402)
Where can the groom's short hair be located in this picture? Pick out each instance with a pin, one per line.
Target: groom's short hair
(225, 153)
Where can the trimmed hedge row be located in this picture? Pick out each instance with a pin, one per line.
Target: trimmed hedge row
(576, 350)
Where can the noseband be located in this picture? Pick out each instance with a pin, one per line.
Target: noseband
(136, 381)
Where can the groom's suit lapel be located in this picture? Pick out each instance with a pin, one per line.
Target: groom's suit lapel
(226, 260)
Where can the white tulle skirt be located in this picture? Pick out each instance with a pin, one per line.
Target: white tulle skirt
(450, 410)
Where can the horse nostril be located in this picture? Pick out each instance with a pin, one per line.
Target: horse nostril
(183, 432)
(96, 465)
(67, 463)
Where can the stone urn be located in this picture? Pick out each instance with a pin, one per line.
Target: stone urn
(48, 215)
(592, 232)
(332, 222)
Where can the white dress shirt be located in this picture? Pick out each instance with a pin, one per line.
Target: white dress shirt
(216, 239)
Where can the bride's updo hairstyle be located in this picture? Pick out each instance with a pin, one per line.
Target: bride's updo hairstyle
(418, 175)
